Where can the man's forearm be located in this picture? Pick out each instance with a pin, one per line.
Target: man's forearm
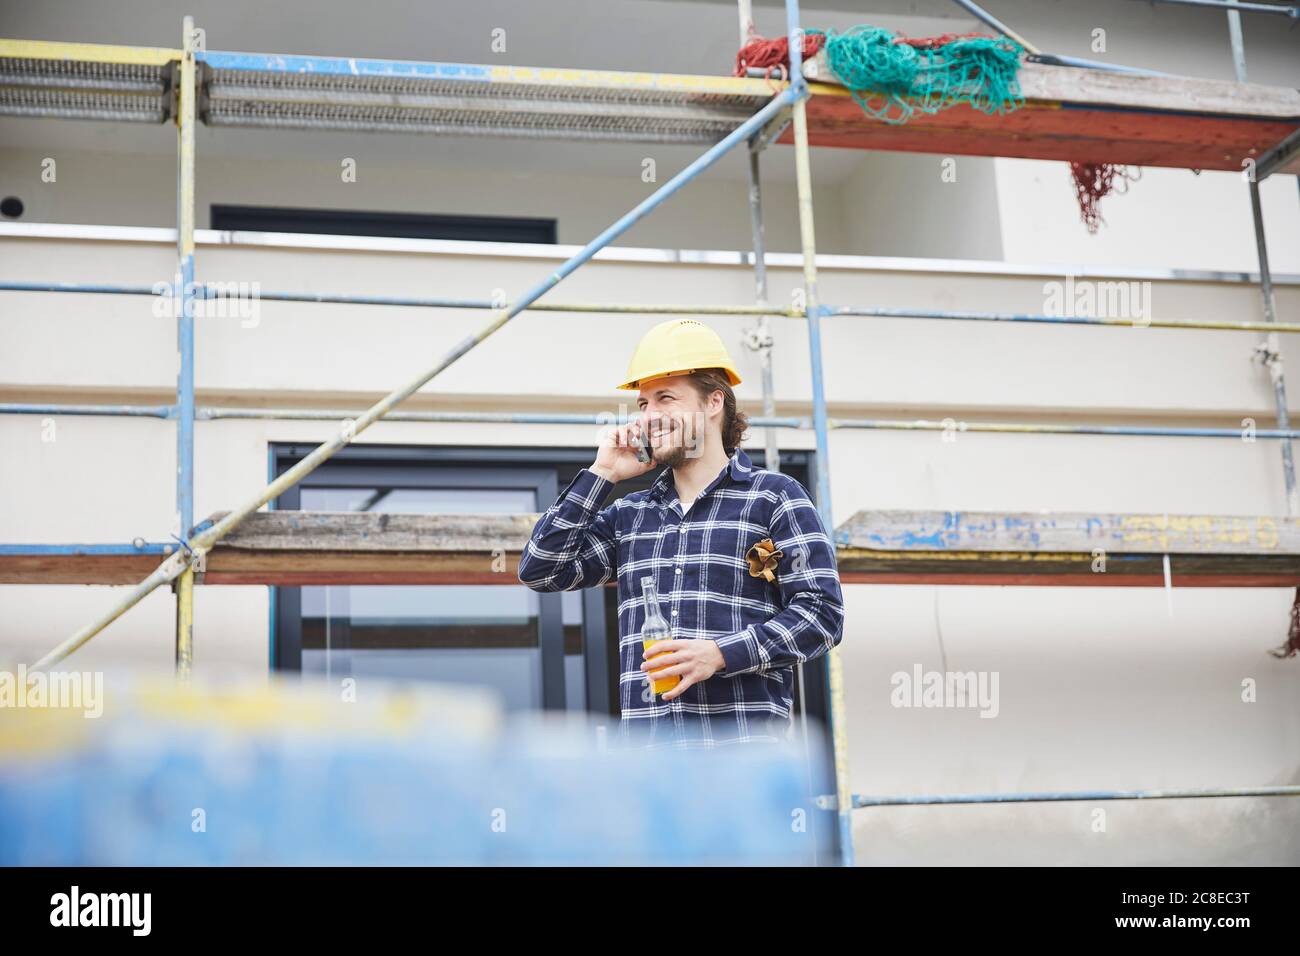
(573, 544)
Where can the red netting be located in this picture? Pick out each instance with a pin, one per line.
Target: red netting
(1093, 181)
(1292, 646)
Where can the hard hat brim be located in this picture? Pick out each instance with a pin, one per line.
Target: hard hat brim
(636, 383)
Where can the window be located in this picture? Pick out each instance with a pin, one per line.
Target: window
(536, 651)
(453, 633)
(403, 225)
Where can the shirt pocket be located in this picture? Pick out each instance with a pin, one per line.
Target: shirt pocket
(759, 589)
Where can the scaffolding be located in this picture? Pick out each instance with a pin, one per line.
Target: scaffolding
(149, 85)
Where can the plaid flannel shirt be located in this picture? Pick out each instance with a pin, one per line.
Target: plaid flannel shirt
(705, 590)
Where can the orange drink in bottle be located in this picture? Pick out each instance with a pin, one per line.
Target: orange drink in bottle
(654, 630)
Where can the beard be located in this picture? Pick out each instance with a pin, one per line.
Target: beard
(677, 447)
(673, 456)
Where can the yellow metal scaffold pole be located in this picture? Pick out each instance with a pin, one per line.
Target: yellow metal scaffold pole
(185, 116)
(808, 238)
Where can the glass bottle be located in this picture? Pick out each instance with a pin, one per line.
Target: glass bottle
(654, 630)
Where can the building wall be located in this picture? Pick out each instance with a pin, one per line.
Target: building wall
(1098, 688)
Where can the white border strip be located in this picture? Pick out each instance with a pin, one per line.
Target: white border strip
(526, 250)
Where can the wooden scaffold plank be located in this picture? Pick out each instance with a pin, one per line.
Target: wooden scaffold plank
(1073, 549)
(295, 548)
(1077, 114)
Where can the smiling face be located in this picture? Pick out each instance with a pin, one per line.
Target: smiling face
(677, 418)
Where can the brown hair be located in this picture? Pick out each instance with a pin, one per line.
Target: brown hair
(734, 422)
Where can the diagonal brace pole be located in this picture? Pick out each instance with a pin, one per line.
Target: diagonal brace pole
(198, 546)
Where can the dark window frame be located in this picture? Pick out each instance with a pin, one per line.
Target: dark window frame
(360, 470)
(400, 225)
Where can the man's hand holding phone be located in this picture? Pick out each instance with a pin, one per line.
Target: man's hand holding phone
(616, 459)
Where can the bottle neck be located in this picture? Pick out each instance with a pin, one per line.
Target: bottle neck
(650, 598)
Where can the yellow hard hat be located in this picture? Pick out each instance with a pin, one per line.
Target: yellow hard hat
(678, 347)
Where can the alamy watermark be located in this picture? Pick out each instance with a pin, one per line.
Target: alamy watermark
(212, 300)
(130, 910)
(920, 688)
(70, 690)
(1089, 299)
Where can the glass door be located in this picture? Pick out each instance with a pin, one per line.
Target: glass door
(531, 649)
(470, 634)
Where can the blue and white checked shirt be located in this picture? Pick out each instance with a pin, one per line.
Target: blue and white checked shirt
(705, 590)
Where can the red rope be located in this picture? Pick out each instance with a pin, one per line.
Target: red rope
(763, 54)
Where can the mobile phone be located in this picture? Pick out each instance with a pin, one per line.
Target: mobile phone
(643, 452)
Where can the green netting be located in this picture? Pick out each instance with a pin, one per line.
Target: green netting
(891, 78)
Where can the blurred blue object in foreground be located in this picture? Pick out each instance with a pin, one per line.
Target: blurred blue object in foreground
(290, 773)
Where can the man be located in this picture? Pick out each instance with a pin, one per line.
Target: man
(737, 632)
